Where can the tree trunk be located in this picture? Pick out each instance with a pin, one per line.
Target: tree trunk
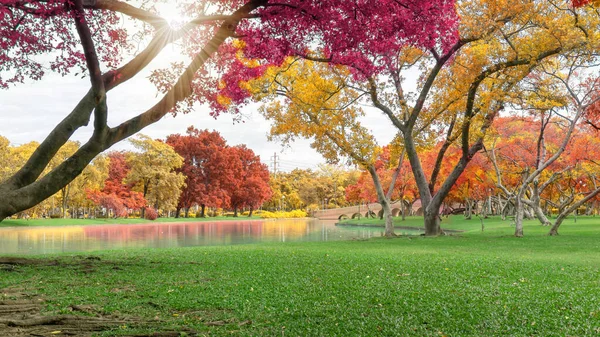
(539, 214)
(403, 209)
(203, 211)
(251, 211)
(554, 230)
(187, 212)
(469, 211)
(519, 217)
(432, 223)
(235, 212)
(177, 211)
(65, 194)
(383, 200)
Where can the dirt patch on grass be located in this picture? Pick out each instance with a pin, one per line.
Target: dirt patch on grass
(20, 315)
(21, 310)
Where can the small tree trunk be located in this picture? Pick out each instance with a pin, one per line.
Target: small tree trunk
(187, 212)
(203, 211)
(403, 209)
(554, 230)
(519, 217)
(251, 211)
(235, 212)
(469, 211)
(385, 205)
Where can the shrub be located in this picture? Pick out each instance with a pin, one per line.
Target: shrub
(280, 215)
(150, 213)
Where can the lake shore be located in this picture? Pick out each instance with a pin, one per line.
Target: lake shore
(117, 221)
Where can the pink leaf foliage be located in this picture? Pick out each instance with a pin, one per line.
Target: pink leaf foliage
(36, 36)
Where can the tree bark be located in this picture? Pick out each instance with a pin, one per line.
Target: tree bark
(519, 217)
(565, 212)
(469, 210)
(203, 211)
(383, 200)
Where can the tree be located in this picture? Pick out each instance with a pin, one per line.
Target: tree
(251, 185)
(4, 158)
(153, 171)
(116, 195)
(42, 27)
(317, 108)
(63, 154)
(207, 166)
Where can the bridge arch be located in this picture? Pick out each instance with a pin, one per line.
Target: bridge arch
(396, 212)
(343, 217)
(356, 216)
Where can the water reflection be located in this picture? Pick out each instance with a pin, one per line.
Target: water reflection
(42, 240)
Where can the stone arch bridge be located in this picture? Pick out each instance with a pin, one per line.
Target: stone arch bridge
(363, 210)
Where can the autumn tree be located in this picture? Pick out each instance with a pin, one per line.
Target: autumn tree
(207, 167)
(316, 108)
(88, 35)
(559, 94)
(395, 173)
(248, 187)
(117, 195)
(153, 172)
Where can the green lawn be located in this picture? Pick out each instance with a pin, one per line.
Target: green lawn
(85, 222)
(472, 284)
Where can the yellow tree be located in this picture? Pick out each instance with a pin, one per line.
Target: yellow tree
(4, 158)
(64, 153)
(153, 171)
(320, 106)
(92, 178)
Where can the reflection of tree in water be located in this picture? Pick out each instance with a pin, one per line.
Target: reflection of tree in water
(71, 239)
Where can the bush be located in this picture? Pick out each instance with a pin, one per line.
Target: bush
(280, 215)
(150, 213)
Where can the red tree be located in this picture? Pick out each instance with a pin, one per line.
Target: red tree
(250, 187)
(116, 195)
(206, 168)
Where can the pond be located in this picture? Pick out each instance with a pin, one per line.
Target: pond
(45, 240)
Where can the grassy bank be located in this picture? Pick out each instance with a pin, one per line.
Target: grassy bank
(86, 222)
(491, 226)
(471, 284)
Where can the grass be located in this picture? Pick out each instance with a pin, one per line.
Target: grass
(87, 222)
(472, 284)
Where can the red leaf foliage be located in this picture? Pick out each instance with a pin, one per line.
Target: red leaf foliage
(116, 195)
